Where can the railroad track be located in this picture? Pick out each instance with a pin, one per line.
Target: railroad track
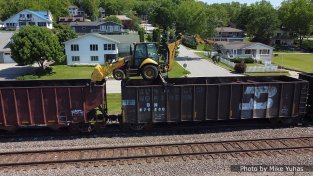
(149, 153)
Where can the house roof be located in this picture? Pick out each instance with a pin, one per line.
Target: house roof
(127, 38)
(41, 14)
(96, 35)
(228, 29)
(73, 6)
(101, 9)
(68, 19)
(111, 22)
(5, 38)
(123, 17)
(86, 23)
(241, 45)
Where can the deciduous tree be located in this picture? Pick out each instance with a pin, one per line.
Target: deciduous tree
(262, 21)
(34, 44)
(297, 15)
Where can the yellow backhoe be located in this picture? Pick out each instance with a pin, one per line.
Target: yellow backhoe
(144, 61)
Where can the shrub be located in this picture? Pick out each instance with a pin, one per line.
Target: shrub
(190, 44)
(240, 67)
(245, 60)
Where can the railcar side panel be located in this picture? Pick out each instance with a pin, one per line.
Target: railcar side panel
(200, 99)
(52, 103)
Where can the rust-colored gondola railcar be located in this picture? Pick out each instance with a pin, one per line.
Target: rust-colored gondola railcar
(50, 103)
(213, 98)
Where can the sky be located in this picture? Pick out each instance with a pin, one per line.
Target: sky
(275, 3)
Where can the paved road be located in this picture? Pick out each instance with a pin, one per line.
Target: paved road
(11, 71)
(200, 67)
(113, 86)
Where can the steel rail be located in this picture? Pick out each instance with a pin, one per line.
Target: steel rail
(163, 155)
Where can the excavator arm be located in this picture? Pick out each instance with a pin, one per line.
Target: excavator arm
(171, 52)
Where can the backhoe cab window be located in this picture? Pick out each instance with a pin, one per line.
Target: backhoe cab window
(141, 51)
(152, 51)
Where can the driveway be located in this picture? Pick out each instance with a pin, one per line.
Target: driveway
(11, 71)
(199, 67)
(113, 86)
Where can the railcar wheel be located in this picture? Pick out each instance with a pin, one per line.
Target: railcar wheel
(73, 128)
(149, 72)
(274, 121)
(287, 120)
(86, 128)
(119, 74)
(100, 126)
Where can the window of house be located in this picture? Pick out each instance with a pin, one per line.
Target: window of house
(265, 52)
(93, 47)
(75, 58)
(247, 51)
(42, 24)
(31, 23)
(10, 24)
(83, 28)
(29, 15)
(94, 58)
(74, 47)
(22, 23)
(239, 51)
(109, 47)
(22, 15)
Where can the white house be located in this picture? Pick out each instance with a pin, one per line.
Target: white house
(228, 34)
(147, 27)
(283, 37)
(253, 50)
(1, 24)
(28, 17)
(5, 51)
(75, 11)
(91, 49)
(126, 42)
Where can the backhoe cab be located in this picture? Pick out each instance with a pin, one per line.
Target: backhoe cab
(144, 61)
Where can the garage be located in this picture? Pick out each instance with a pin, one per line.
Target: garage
(7, 58)
(5, 51)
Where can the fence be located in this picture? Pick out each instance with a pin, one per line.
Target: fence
(266, 68)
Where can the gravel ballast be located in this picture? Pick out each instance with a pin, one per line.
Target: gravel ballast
(193, 167)
(177, 167)
(94, 141)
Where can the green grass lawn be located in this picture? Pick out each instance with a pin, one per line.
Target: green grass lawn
(200, 47)
(114, 103)
(62, 72)
(84, 72)
(301, 62)
(178, 71)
